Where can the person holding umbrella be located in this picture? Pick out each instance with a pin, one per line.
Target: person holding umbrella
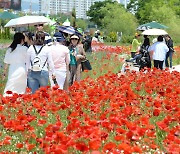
(40, 27)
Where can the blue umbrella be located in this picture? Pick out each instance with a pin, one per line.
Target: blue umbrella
(69, 30)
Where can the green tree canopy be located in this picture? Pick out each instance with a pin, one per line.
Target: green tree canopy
(117, 19)
(162, 11)
(143, 9)
(81, 23)
(96, 12)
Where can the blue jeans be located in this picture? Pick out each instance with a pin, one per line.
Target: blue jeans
(37, 79)
(169, 55)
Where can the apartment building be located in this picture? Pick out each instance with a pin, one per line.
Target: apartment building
(66, 6)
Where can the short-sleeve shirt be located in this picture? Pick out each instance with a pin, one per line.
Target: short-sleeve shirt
(160, 49)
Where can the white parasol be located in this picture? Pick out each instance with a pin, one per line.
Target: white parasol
(28, 21)
(154, 32)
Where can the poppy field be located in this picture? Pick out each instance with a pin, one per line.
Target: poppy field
(104, 113)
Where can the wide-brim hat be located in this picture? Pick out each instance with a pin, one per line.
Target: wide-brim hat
(59, 37)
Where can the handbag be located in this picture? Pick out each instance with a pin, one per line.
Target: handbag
(86, 65)
(172, 49)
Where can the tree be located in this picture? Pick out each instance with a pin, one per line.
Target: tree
(60, 17)
(162, 11)
(143, 9)
(117, 19)
(96, 12)
(81, 23)
(74, 18)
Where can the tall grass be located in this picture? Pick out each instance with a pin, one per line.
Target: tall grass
(102, 63)
(2, 82)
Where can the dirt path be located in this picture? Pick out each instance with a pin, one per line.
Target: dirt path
(175, 68)
(3, 46)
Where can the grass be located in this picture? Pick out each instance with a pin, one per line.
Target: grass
(102, 63)
(4, 41)
(2, 82)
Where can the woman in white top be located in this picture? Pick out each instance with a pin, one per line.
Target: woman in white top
(61, 58)
(38, 61)
(15, 57)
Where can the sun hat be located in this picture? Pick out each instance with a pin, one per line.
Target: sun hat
(137, 34)
(74, 37)
(58, 36)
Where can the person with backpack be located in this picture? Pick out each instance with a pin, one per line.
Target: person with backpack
(15, 58)
(39, 62)
(61, 58)
(77, 55)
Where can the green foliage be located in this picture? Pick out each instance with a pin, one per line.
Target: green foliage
(122, 20)
(162, 11)
(5, 33)
(96, 12)
(60, 17)
(2, 82)
(73, 19)
(112, 37)
(112, 17)
(127, 39)
(143, 9)
(81, 24)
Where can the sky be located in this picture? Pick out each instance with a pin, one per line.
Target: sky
(25, 4)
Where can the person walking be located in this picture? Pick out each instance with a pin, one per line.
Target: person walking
(61, 59)
(169, 55)
(135, 45)
(77, 55)
(28, 39)
(146, 43)
(158, 51)
(87, 41)
(15, 58)
(38, 61)
(40, 27)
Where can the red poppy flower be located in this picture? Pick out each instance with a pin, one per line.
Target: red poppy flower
(9, 92)
(19, 145)
(109, 146)
(94, 144)
(156, 112)
(81, 146)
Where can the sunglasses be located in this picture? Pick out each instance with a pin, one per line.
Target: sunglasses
(38, 25)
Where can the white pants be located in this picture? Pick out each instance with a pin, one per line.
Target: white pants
(60, 78)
